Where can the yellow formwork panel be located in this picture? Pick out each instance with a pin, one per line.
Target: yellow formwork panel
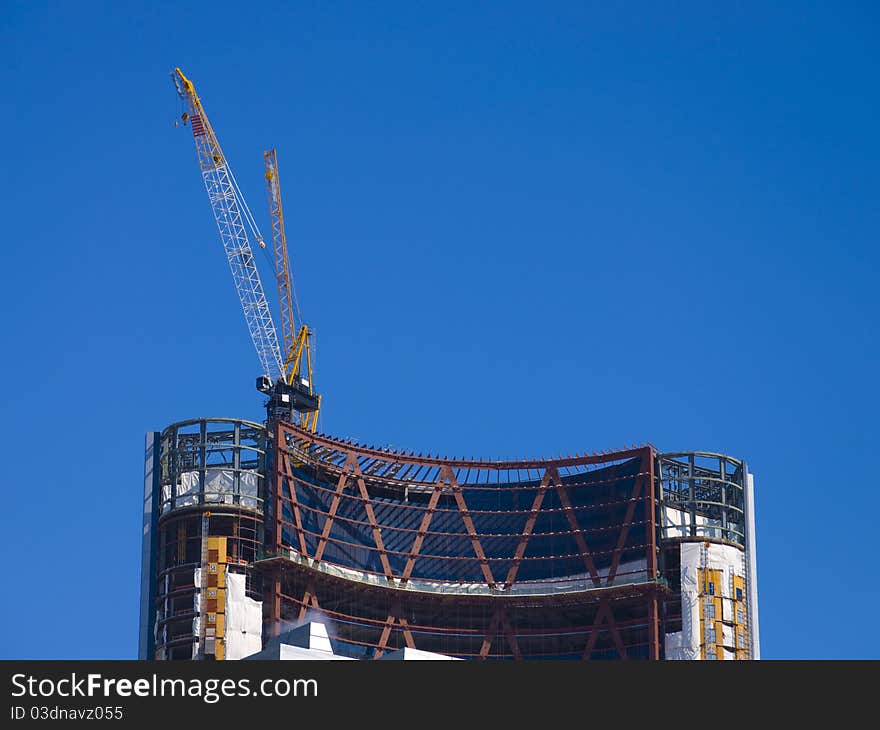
(216, 575)
(711, 590)
(219, 595)
(220, 650)
(709, 602)
(710, 582)
(717, 576)
(739, 588)
(219, 544)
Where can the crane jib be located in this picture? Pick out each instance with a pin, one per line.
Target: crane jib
(287, 380)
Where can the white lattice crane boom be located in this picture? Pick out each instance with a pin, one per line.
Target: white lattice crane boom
(233, 218)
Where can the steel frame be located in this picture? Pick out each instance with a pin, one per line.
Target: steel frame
(355, 472)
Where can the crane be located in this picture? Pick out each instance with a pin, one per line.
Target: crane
(297, 344)
(281, 379)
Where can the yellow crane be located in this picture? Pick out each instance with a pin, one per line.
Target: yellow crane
(287, 374)
(296, 343)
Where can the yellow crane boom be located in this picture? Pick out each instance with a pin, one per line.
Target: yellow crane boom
(296, 344)
(287, 365)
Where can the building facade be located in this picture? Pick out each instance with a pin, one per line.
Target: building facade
(252, 531)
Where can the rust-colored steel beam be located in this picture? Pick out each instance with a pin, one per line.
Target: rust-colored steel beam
(398, 457)
(284, 471)
(654, 629)
(407, 633)
(384, 636)
(279, 488)
(615, 633)
(578, 533)
(371, 516)
(294, 504)
(276, 603)
(604, 614)
(469, 526)
(510, 635)
(331, 515)
(651, 521)
(394, 616)
(420, 535)
(651, 541)
(489, 638)
(530, 525)
(309, 600)
(624, 529)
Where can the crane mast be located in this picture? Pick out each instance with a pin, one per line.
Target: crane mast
(297, 352)
(279, 248)
(231, 214)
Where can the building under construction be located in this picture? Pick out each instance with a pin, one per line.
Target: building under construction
(629, 554)
(254, 529)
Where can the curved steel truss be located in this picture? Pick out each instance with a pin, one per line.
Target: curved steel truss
(494, 542)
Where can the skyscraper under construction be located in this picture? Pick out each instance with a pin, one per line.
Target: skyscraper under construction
(633, 554)
(252, 530)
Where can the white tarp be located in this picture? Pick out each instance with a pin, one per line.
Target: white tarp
(219, 485)
(674, 650)
(197, 620)
(726, 609)
(187, 490)
(219, 488)
(677, 523)
(244, 619)
(689, 643)
(696, 555)
(248, 487)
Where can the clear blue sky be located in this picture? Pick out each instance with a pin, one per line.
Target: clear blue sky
(517, 229)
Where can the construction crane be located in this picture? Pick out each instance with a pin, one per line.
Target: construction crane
(282, 379)
(297, 344)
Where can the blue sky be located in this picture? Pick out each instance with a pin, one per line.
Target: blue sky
(516, 229)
